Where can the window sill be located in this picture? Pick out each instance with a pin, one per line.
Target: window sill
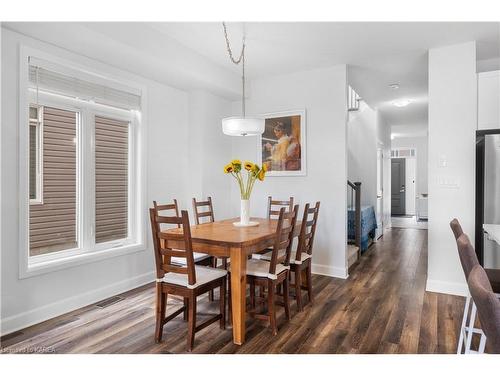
(40, 268)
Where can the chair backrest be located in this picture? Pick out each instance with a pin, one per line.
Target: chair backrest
(307, 230)
(168, 245)
(167, 207)
(488, 306)
(273, 207)
(456, 228)
(467, 254)
(208, 213)
(284, 237)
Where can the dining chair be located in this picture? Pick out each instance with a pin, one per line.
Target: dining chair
(269, 275)
(488, 308)
(205, 209)
(301, 259)
(468, 260)
(273, 212)
(186, 280)
(199, 258)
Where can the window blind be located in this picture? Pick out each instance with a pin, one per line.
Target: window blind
(63, 81)
(53, 223)
(111, 179)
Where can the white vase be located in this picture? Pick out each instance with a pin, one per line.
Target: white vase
(245, 212)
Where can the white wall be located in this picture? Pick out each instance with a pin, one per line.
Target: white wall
(322, 93)
(421, 145)
(452, 125)
(362, 152)
(206, 174)
(27, 301)
(384, 142)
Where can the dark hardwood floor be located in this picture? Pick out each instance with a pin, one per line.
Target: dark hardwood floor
(381, 308)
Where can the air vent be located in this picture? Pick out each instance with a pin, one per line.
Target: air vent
(108, 302)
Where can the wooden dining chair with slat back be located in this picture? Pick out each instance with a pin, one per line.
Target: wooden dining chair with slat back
(273, 207)
(301, 259)
(173, 208)
(275, 272)
(184, 279)
(204, 212)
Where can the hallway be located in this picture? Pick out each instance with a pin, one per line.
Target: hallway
(381, 308)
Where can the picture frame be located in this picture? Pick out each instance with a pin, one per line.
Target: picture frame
(282, 146)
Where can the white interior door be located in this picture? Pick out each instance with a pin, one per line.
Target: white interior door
(411, 176)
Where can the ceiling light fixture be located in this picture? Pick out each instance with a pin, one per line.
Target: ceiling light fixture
(394, 86)
(241, 125)
(401, 102)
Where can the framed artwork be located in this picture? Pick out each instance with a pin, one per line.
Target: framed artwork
(283, 143)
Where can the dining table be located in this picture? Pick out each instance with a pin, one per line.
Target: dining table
(223, 239)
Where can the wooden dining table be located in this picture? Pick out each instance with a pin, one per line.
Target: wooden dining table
(223, 239)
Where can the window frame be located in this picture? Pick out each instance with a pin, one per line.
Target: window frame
(39, 154)
(87, 251)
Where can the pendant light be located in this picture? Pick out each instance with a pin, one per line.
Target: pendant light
(241, 125)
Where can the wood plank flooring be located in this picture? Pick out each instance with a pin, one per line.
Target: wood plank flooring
(381, 308)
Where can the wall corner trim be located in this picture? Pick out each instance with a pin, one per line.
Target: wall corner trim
(446, 287)
(338, 272)
(28, 318)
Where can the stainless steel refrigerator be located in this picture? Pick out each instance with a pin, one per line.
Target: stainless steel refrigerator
(487, 194)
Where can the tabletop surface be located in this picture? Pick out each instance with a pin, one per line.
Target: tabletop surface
(224, 231)
(493, 231)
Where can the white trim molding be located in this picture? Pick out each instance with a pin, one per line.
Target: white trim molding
(338, 272)
(446, 287)
(28, 318)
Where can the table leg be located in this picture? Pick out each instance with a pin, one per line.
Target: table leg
(238, 293)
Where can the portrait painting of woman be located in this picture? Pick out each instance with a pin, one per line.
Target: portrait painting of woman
(283, 144)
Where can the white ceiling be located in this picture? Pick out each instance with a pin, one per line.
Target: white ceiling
(378, 54)
(193, 55)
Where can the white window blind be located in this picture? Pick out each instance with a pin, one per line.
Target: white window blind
(82, 85)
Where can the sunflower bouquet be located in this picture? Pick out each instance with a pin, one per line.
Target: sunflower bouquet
(254, 172)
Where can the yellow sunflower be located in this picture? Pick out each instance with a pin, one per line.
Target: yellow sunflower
(261, 175)
(228, 168)
(249, 166)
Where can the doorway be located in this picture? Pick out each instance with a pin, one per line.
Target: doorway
(398, 190)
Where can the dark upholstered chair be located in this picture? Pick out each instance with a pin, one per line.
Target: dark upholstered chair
(488, 307)
(456, 228)
(468, 259)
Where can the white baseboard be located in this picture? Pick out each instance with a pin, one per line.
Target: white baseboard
(40, 314)
(338, 272)
(446, 287)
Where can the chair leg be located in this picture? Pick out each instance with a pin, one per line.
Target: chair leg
(470, 330)
(309, 283)
(298, 288)
(161, 301)
(229, 304)
(252, 296)
(191, 322)
(186, 307)
(222, 304)
(271, 308)
(286, 299)
(462, 327)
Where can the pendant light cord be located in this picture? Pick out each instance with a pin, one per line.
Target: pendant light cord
(240, 59)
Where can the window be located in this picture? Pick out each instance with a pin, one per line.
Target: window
(83, 173)
(111, 179)
(53, 221)
(403, 153)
